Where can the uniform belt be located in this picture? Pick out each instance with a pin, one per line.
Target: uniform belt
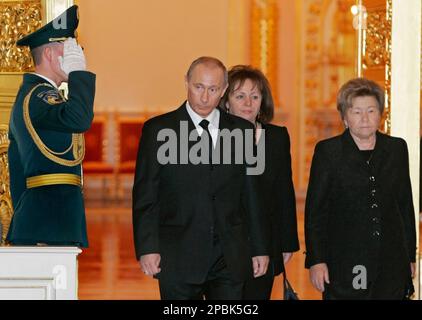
(52, 179)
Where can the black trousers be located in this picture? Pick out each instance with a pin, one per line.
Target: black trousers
(218, 285)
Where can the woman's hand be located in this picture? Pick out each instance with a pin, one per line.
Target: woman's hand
(413, 269)
(319, 276)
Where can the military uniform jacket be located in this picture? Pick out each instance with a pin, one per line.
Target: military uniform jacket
(360, 214)
(48, 214)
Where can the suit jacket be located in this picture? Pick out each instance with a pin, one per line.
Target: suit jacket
(177, 208)
(276, 187)
(49, 214)
(360, 214)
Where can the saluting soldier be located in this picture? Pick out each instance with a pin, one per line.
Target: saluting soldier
(46, 139)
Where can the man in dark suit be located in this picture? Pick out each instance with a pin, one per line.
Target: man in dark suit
(197, 227)
(46, 139)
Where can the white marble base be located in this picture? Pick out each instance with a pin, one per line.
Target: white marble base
(39, 273)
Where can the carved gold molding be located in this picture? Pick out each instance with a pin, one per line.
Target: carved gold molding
(17, 19)
(328, 53)
(6, 211)
(376, 37)
(264, 40)
(376, 41)
(389, 18)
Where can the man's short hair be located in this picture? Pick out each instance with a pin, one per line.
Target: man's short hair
(211, 62)
(38, 52)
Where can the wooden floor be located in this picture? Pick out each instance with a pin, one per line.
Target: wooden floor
(108, 269)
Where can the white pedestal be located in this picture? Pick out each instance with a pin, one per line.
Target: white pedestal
(39, 273)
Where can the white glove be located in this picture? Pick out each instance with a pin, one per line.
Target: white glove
(73, 57)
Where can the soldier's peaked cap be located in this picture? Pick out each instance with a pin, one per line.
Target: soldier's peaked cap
(59, 29)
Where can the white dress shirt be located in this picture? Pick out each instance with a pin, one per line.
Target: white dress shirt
(213, 118)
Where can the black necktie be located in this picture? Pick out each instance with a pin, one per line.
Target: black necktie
(204, 124)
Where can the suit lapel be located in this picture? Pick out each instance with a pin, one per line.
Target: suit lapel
(182, 116)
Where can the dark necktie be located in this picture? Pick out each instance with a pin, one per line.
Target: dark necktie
(204, 124)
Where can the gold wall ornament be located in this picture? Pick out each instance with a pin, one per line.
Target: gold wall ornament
(6, 209)
(377, 34)
(17, 19)
(264, 40)
(328, 50)
(375, 48)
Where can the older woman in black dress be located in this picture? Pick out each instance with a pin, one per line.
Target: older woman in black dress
(359, 216)
(249, 96)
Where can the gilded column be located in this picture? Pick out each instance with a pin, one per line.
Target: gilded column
(264, 40)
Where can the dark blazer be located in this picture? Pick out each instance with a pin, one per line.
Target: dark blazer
(277, 189)
(177, 208)
(360, 214)
(51, 214)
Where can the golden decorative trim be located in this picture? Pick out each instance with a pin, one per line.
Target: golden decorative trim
(6, 209)
(264, 40)
(57, 39)
(77, 144)
(53, 179)
(375, 55)
(377, 35)
(328, 52)
(389, 18)
(17, 19)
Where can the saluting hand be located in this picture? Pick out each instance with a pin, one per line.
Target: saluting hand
(73, 57)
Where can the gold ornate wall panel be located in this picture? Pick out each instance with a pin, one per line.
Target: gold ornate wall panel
(264, 40)
(328, 47)
(5, 198)
(17, 19)
(375, 47)
(9, 84)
